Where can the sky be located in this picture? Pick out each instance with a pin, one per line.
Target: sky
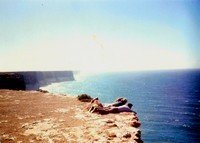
(99, 35)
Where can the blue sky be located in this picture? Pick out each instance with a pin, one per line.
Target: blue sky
(99, 35)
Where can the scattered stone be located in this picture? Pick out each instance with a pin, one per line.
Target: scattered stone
(138, 134)
(62, 110)
(135, 124)
(20, 118)
(17, 101)
(61, 120)
(8, 137)
(43, 91)
(135, 118)
(109, 121)
(95, 140)
(112, 125)
(124, 140)
(4, 121)
(35, 122)
(127, 135)
(25, 126)
(138, 140)
(112, 135)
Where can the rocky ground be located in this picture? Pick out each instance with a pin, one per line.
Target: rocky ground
(33, 116)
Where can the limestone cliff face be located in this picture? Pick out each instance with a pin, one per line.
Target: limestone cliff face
(32, 80)
(12, 81)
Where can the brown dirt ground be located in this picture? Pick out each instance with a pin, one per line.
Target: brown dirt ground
(20, 107)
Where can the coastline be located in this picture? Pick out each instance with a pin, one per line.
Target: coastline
(34, 116)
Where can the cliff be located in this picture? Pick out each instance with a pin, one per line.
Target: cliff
(33, 116)
(32, 80)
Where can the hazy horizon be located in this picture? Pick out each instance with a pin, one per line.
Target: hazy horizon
(99, 35)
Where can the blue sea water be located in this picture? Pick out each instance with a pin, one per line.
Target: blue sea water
(167, 102)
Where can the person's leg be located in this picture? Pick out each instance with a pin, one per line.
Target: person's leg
(114, 110)
(91, 109)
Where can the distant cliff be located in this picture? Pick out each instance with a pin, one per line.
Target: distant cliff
(32, 80)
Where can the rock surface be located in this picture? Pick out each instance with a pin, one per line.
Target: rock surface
(32, 116)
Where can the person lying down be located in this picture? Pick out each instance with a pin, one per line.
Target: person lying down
(120, 105)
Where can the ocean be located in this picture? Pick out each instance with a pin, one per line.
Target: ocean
(167, 102)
